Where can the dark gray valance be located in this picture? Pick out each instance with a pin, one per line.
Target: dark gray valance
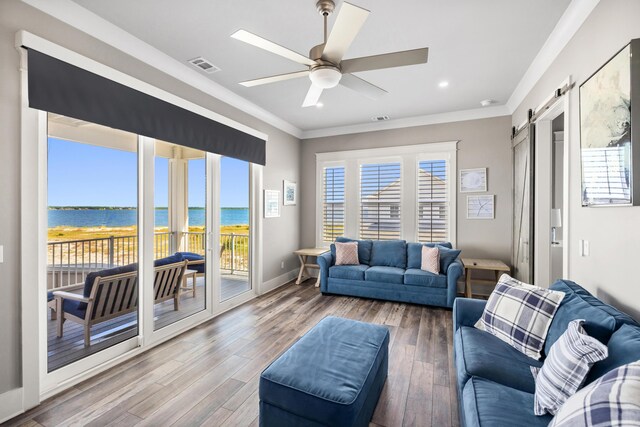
(58, 87)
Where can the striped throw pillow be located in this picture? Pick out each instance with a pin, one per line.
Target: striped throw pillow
(520, 314)
(566, 368)
(611, 400)
(347, 253)
(430, 260)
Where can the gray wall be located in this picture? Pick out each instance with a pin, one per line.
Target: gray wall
(613, 233)
(483, 143)
(283, 154)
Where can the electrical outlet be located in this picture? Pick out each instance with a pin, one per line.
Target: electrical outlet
(1, 254)
(281, 264)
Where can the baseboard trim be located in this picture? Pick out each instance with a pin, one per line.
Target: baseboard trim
(278, 281)
(11, 404)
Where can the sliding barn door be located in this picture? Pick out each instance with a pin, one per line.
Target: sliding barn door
(522, 256)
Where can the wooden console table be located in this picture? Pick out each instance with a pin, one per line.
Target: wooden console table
(303, 254)
(482, 264)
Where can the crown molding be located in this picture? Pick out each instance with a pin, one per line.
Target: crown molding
(88, 22)
(431, 119)
(567, 26)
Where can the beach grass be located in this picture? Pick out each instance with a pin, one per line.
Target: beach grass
(66, 233)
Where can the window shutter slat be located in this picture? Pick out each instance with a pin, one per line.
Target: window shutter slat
(380, 201)
(332, 203)
(433, 203)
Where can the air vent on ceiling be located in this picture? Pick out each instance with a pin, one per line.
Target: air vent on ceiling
(204, 64)
(379, 118)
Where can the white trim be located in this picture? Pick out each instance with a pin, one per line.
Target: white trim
(26, 39)
(10, 404)
(567, 26)
(278, 281)
(430, 119)
(88, 22)
(431, 147)
(255, 227)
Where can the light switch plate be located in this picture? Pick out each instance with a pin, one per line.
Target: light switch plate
(1, 254)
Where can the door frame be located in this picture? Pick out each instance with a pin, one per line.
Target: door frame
(33, 139)
(542, 188)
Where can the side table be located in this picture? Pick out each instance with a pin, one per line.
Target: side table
(303, 254)
(482, 264)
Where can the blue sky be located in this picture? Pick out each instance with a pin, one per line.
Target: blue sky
(89, 175)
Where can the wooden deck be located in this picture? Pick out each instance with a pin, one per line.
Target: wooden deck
(70, 348)
(209, 376)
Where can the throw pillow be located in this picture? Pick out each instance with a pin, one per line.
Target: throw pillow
(430, 260)
(566, 368)
(347, 253)
(520, 314)
(612, 400)
(447, 256)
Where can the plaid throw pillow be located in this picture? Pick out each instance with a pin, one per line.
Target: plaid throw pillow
(520, 314)
(430, 260)
(347, 253)
(566, 367)
(612, 400)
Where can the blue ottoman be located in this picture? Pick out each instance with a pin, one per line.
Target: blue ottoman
(332, 376)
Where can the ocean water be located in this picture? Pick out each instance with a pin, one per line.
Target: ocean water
(128, 217)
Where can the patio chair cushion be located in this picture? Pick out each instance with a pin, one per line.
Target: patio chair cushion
(91, 277)
(76, 308)
(190, 256)
(168, 260)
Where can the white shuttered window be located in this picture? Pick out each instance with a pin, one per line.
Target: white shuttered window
(380, 201)
(433, 204)
(332, 203)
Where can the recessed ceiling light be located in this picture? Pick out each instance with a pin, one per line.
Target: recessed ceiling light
(487, 102)
(319, 105)
(443, 84)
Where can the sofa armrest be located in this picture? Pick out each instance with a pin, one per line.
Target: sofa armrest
(467, 311)
(454, 272)
(324, 261)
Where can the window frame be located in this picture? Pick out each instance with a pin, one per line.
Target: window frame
(409, 156)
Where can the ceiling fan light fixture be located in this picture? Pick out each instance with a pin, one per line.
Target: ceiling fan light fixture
(325, 77)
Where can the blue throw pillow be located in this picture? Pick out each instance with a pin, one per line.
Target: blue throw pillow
(447, 256)
(389, 253)
(190, 256)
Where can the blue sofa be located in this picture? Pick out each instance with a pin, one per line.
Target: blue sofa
(390, 270)
(494, 382)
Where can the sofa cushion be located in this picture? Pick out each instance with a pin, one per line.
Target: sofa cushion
(364, 249)
(480, 354)
(566, 368)
(349, 272)
(414, 252)
(447, 256)
(487, 403)
(600, 319)
(623, 347)
(418, 277)
(385, 274)
(389, 253)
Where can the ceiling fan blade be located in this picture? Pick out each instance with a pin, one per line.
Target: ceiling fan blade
(272, 47)
(362, 86)
(273, 79)
(387, 60)
(312, 96)
(348, 23)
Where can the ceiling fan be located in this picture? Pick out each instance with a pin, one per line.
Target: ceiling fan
(326, 66)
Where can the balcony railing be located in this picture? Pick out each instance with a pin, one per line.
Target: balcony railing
(69, 262)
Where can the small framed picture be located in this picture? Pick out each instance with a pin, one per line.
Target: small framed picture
(290, 192)
(480, 207)
(473, 180)
(271, 203)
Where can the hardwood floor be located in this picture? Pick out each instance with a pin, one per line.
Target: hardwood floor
(209, 375)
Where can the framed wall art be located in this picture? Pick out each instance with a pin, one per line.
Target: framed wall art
(290, 193)
(609, 151)
(271, 203)
(473, 180)
(480, 207)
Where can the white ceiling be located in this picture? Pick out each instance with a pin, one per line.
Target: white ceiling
(482, 48)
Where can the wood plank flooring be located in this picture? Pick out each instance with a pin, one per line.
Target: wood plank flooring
(209, 375)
